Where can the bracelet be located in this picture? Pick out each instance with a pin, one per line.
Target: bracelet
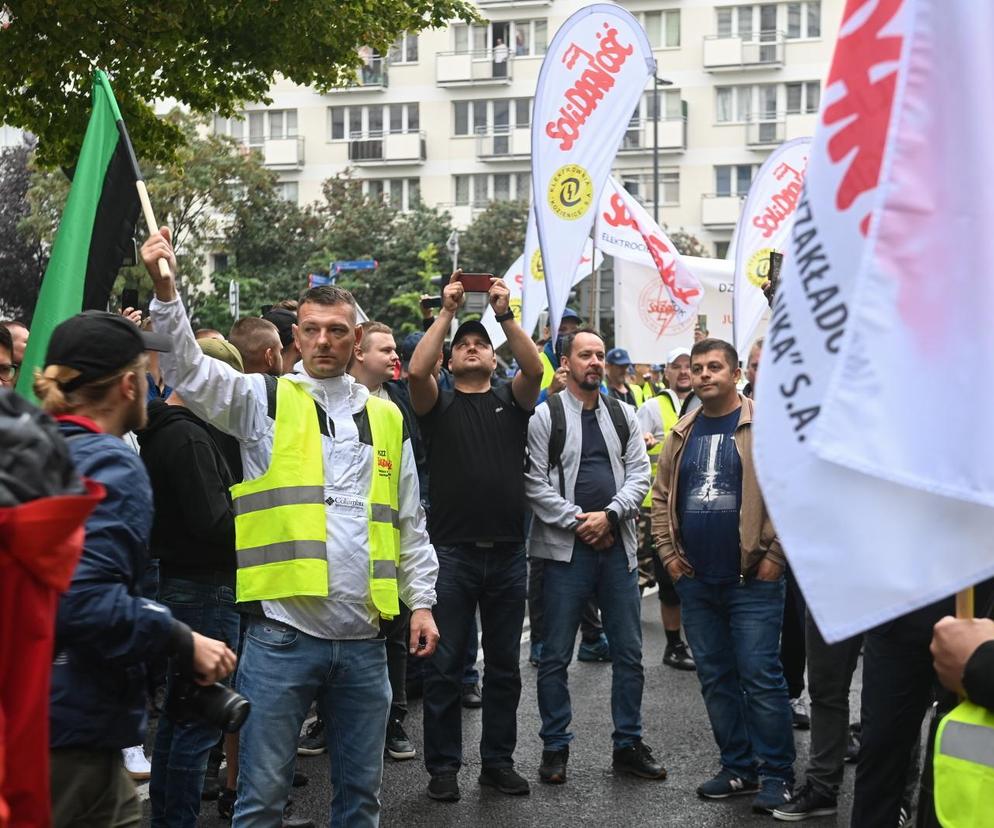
(505, 316)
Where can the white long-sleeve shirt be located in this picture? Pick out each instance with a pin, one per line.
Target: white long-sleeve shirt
(236, 403)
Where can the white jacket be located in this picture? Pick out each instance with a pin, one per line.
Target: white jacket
(236, 403)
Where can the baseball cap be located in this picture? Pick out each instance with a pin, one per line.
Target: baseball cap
(224, 351)
(569, 313)
(471, 327)
(97, 343)
(284, 320)
(657, 367)
(408, 344)
(675, 354)
(618, 356)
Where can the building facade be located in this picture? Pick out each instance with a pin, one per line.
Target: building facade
(445, 116)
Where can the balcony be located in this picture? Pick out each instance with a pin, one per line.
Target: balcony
(720, 210)
(640, 136)
(477, 68)
(800, 125)
(765, 133)
(763, 50)
(283, 153)
(373, 75)
(504, 145)
(378, 149)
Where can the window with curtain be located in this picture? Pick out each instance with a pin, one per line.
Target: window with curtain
(723, 104)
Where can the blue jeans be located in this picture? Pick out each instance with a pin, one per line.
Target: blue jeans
(281, 672)
(179, 756)
(495, 580)
(568, 586)
(734, 632)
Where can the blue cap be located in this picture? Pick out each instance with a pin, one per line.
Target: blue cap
(656, 367)
(569, 313)
(408, 344)
(618, 356)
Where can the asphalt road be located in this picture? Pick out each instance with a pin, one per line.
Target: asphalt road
(675, 726)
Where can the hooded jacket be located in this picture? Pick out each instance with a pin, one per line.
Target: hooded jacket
(193, 534)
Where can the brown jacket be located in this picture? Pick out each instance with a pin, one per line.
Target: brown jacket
(757, 537)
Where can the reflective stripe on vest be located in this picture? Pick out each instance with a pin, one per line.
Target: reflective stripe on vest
(964, 768)
(548, 371)
(668, 416)
(386, 424)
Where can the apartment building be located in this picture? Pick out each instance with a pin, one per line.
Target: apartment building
(445, 116)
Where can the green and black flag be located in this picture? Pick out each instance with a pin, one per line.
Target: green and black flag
(96, 233)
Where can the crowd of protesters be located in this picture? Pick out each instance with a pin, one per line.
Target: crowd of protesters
(345, 518)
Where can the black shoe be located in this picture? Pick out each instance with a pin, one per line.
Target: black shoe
(290, 821)
(444, 787)
(312, 743)
(800, 716)
(398, 746)
(211, 789)
(299, 779)
(226, 803)
(855, 740)
(472, 697)
(505, 780)
(552, 771)
(637, 760)
(678, 657)
(806, 803)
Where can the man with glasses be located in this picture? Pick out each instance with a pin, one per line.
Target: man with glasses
(8, 368)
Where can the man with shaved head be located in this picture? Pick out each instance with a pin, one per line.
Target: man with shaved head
(258, 341)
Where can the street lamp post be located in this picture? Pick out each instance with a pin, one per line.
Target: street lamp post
(656, 81)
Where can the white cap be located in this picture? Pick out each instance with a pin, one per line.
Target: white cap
(675, 354)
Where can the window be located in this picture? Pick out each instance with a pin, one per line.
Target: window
(724, 22)
(670, 105)
(747, 21)
(640, 185)
(460, 116)
(373, 119)
(733, 180)
(522, 115)
(232, 127)
(262, 124)
(502, 187)
(220, 262)
(663, 28)
(337, 123)
(288, 191)
(669, 187)
(470, 38)
(400, 193)
(541, 32)
(257, 128)
(479, 190)
(733, 104)
(462, 189)
(522, 186)
(405, 49)
(804, 20)
(490, 117)
(522, 38)
(721, 249)
(803, 97)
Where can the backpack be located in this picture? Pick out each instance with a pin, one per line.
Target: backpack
(557, 433)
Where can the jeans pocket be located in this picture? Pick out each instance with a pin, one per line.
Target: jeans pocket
(272, 635)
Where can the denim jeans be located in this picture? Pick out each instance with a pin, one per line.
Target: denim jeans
(734, 631)
(495, 580)
(281, 672)
(568, 587)
(179, 756)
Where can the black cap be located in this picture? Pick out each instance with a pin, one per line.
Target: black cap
(284, 320)
(472, 326)
(97, 344)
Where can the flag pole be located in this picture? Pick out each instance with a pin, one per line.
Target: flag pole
(150, 220)
(964, 603)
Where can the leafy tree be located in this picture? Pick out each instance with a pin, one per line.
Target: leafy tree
(495, 238)
(687, 244)
(211, 55)
(410, 302)
(23, 256)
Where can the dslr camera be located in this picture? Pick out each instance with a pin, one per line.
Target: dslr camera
(212, 704)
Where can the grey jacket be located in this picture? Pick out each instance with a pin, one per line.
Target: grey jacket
(552, 530)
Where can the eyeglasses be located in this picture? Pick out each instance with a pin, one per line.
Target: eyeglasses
(8, 370)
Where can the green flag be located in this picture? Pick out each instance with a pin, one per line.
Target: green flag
(96, 233)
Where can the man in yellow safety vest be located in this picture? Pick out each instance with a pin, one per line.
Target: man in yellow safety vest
(329, 536)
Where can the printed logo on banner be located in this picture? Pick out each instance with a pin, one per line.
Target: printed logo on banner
(758, 266)
(571, 192)
(659, 313)
(538, 272)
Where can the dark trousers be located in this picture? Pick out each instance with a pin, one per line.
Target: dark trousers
(396, 632)
(792, 649)
(591, 628)
(493, 579)
(91, 789)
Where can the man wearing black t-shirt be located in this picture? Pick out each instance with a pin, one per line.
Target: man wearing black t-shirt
(476, 437)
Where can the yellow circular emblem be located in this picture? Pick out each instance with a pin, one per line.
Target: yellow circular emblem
(570, 192)
(537, 271)
(758, 266)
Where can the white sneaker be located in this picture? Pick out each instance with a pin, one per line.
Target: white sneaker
(136, 763)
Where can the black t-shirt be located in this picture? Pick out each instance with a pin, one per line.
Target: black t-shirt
(595, 487)
(626, 396)
(476, 449)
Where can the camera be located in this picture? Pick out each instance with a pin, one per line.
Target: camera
(212, 704)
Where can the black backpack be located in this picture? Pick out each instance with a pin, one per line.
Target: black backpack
(557, 433)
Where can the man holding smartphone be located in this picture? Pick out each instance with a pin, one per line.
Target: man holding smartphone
(476, 437)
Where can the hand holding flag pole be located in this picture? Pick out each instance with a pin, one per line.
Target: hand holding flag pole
(150, 221)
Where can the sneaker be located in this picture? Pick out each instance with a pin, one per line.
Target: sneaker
(806, 803)
(226, 803)
(637, 760)
(905, 817)
(136, 763)
(552, 771)
(535, 654)
(726, 784)
(444, 787)
(775, 793)
(678, 657)
(505, 780)
(312, 743)
(472, 696)
(398, 746)
(799, 713)
(855, 739)
(290, 821)
(598, 650)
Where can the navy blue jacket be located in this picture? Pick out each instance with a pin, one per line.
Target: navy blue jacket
(105, 630)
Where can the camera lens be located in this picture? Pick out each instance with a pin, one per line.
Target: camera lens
(214, 704)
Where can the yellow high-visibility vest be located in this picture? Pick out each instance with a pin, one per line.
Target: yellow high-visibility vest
(963, 762)
(669, 416)
(280, 522)
(548, 370)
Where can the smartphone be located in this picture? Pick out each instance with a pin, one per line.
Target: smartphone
(776, 264)
(129, 298)
(431, 302)
(702, 321)
(476, 282)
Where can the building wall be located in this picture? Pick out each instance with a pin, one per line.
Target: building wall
(709, 54)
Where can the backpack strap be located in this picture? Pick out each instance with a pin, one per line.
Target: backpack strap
(557, 438)
(619, 420)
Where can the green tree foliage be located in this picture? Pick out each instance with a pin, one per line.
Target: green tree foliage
(211, 55)
(687, 244)
(23, 256)
(495, 238)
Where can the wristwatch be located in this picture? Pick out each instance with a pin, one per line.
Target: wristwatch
(612, 517)
(503, 317)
